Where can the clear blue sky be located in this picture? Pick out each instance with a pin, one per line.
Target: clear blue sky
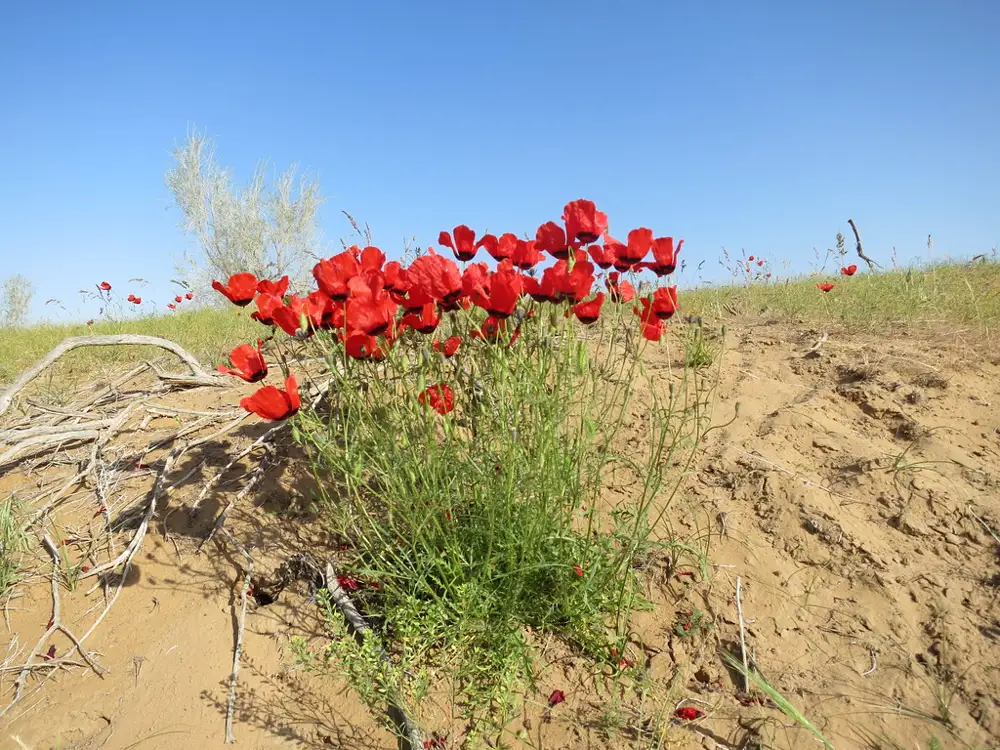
(751, 125)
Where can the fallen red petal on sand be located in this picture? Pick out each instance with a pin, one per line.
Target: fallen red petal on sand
(688, 713)
(50, 654)
(557, 697)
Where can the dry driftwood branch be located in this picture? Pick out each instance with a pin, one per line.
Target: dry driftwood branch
(55, 625)
(872, 265)
(409, 733)
(198, 375)
(238, 649)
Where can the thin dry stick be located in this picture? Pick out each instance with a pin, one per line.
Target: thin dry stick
(872, 265)
(127, 339)
(409, 733)
(231, 703)
(237, 458)
(743, 640)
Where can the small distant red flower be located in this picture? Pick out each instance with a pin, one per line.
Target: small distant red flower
(436, 742)
(849, 270)
(760, 262)
(489, 330)
(248, 363)
(274, 404)
(90, 322)
(171, 305)
(85, 569)
(688, 713)
(750, 259)
(448, 347)
(578, 569)
(588, 312)
(137, 301)
(557, 697)
(189, 296)
(464, 244)
(825, 287)
(441, 398)
(105, 286)
(178, 299)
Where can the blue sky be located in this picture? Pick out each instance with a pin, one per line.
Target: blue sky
(761, 126)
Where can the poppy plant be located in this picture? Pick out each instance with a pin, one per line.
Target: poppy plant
(426, 321)
(449, 346)
(247, 363)
(178, 299)
(171, 305)
(266, 305)
(584, 223)
(104, 286)
(588, 312)
(603, 256)
(240, 290)
(272, 403)
(333, 274)
(849, 270)
(370, 309)
(664, 303)
(189, 296)
(664, 256)
(463, 244)
(825, 287)
(277, 288)
(526, 255)
(433, 277)
(505, 288)
(136, 300)
(441, 398)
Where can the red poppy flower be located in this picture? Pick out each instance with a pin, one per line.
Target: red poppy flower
(464, 244)
(266, 305)
(620, 291)
(825, 287)
(426, 321)
(849, 270)
(178, 299)
(272, 403)
(433, 277)
(247, 363)
(652, 329)
(362, 346)
(171, 305)
(588, 312)
(543, 290)
(628, 255)
(276, 288)
(370, 309)
(551, 238)
(130, 297)
(90, 322)
(526, 254)
(371, 258)
(584, 223)
(503, 293)
(688, 713)
(664, 303)
(441, 398)
(760, 262)
(490, 329)
(750, 259)
(324, 313)
(436, 742)
(573, 284)
(578, 570)
(333, 274)
(557, 697)
(348, 583)
(189, 296)
(105, 286)
(449, 346)
(505, 247)
(240, 290)
(291, 317)
(137, 301)
(476, 282)
(603, 256)
(664, 256)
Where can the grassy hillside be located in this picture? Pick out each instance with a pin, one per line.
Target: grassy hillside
(947, 296)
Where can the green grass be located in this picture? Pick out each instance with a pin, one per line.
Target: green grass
(957, 295)
(208, 333)
(938, 295)
(13, 545)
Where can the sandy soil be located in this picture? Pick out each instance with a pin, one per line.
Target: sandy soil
(852, 497)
